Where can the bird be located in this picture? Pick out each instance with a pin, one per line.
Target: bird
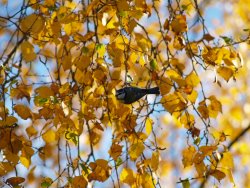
(129, 95)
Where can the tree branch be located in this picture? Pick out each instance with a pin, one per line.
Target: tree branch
(236, 139)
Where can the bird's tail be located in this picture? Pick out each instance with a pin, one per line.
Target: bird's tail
(154, 90)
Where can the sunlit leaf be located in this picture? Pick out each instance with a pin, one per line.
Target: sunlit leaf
(215, 107)
(49, 136)
(149, 126)
(227, 160)
(192, 79)
(32, 23)
(31, 131)
(72, 135)
(127, 176)
(28, 51)
(192, 96)
(188, 155)
(25, 158)
(155, 161)
(136, 150)
(100, 170)
(115, 151)
(225, 72)
(179, 24)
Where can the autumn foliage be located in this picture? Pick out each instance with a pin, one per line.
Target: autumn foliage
(61, 124)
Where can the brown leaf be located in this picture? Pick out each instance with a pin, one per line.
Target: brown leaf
(14, 181)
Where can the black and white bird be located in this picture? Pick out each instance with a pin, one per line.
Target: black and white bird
(128, 95)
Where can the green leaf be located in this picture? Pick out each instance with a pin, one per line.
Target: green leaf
(227, 40)
(184, 7)
(84, 168)
(153, 64)
(185, 183)
(119, 161)
(85, 50)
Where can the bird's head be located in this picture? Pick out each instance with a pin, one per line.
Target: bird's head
(120, 94)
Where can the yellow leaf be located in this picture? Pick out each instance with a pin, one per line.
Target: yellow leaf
(219, 175)
(155, 161)
(88, 36)
(72, 27)
(142, 42)
(123, 5)
(115, 151)
(31, 131)
(26, 162)
(175, 76)
(192, 79)
(207, 150)
(200, 168)
(225, 72)
(44, 92)
(91, 6)
(136, 150)
(87, 78)
(193, 96)
(49, 136)
(188, 155)
(127, 176)
(210, 55)
(72, 136)
(72, 5)
(146, 181)
(203, 110)
(99, 91)
(132, 25)
(27, 50)
(20, 92)
(227, 161)
(179, 24)
(79, 181)
(100, 170)
(174, 103)
(215, 107)
(101, 50)
(23, 111)
(187, 120)
(9, 121)
(99, 75)
(165, 85)
(149, 126)
(66, 62)
(33, 23)
(12, 157)
(49, 3)
(26, 155)
(179, 42)
(116, 74)
(230, 176)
